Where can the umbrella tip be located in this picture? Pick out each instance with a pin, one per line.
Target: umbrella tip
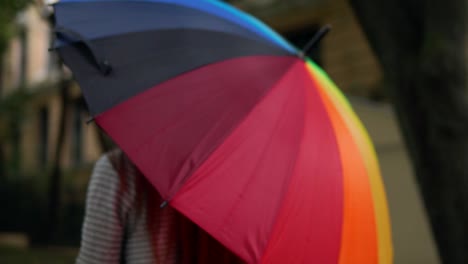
(105, 67)
(164, 204)
(90, 120)
(314, 41)
(72, 36)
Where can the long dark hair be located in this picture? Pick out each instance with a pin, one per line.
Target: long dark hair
(185, 240)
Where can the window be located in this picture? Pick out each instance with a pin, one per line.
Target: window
(77, 132)
(43, 136)
(52, 59)
(24, 56)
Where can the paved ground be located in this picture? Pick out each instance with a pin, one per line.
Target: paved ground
(12, 255)
(412, 238)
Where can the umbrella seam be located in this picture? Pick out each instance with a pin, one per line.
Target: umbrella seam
(293, 168)
(289, 169)
(260, 99)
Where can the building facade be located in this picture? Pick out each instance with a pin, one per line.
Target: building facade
(30, 69)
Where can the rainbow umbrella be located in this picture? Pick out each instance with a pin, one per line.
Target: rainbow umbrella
(232, 125)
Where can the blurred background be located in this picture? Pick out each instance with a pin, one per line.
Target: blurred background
(402, 64)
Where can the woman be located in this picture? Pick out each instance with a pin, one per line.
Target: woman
(124, 224)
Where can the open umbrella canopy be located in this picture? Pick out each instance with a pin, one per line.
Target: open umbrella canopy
(234, 128)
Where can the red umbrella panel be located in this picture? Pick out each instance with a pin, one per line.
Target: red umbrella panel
(232, 126)
(287, 180)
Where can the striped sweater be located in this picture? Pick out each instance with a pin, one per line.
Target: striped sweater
(113, 230)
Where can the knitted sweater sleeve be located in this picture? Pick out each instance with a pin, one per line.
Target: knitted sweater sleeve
(105, 215)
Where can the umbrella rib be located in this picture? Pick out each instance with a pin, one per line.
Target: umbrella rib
(264, 150)
(261, 98)
(101, 63)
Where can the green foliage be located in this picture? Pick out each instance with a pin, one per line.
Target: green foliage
(12, 112)
(8, 11)
(24, 203)
(24, 200)
(37, 255)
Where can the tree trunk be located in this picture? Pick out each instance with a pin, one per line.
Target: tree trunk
(55, 181)
(1, 75)
(3, 170)
(421, 46)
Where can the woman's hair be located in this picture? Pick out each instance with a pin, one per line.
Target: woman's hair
(187, 241)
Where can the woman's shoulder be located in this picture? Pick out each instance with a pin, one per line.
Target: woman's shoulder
(111, 167)
(103, 162)
(103, 175)
(111, 179)
(115, 170)
(112, 162)
(119, 162)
